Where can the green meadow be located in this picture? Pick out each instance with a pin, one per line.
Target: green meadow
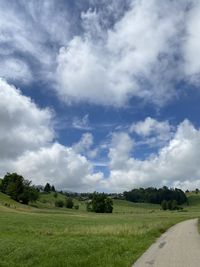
(42, 235)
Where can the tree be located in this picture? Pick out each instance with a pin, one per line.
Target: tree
(47, 188)
(18, 188)
(108, 205)
(69, 203)
(100, 203)
(53, 188)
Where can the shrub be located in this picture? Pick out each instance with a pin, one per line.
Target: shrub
(164, 204)
(59, 203)
(100, 203)
(69, 203)
(76, 207)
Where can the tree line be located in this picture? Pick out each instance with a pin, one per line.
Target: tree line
(156, 196)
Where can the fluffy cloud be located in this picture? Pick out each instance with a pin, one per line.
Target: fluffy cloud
(131, 59)
(59, 165)
(105, 54)
(23, 126)
(84, 144)
(153, 132)
(120, 149)
(176, 164)
(28, 146)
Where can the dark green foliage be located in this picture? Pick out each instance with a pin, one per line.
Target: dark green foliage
(55, 194)
(76, 207)
(69, 203)
(100, 203)
(174, 205)
(47, 188)
(196, 190)
(164, 204)
(170, 205)
(59, 203)
(18, 188)
(0, 184)
(53, 188)
(156, 196)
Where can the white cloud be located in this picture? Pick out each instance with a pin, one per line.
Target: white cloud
(191, 48)
(81, 123)
(84, 144)
(153, 132)
(28, 146)
(59, 165)
(23, 125)
(120, 149)
(15, 70)
(32, 31)
(176, 164)
(118, 63)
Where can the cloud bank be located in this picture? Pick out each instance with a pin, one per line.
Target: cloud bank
(28, 147)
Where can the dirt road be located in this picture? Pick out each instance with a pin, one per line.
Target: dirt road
(178, 247)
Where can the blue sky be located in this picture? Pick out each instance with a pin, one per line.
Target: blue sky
(100, 95)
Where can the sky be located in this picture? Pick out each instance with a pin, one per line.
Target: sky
(100, 94)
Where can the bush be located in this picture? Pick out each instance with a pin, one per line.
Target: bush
(100, 203)
(170, 205)
(76, 207)
(69, 203)
(59, 203)
(164, 204)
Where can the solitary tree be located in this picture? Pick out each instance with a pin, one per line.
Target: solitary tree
(100, 203)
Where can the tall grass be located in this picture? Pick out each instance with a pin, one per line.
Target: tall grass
(61, 237)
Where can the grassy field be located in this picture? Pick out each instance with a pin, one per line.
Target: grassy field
(45, 236)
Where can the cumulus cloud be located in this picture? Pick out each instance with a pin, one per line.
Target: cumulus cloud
(153, 132)
(59, 165)
(130, 59)
(120, 149)
(28, 146)
(106, 53)
(23, 125)
(176, 164)
(84, 144)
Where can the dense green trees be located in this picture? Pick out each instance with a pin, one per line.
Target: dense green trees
(156, 196)
(49, 188)
(100, 203)
(18, 188)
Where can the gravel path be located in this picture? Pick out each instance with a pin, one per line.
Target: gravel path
(178, 247)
